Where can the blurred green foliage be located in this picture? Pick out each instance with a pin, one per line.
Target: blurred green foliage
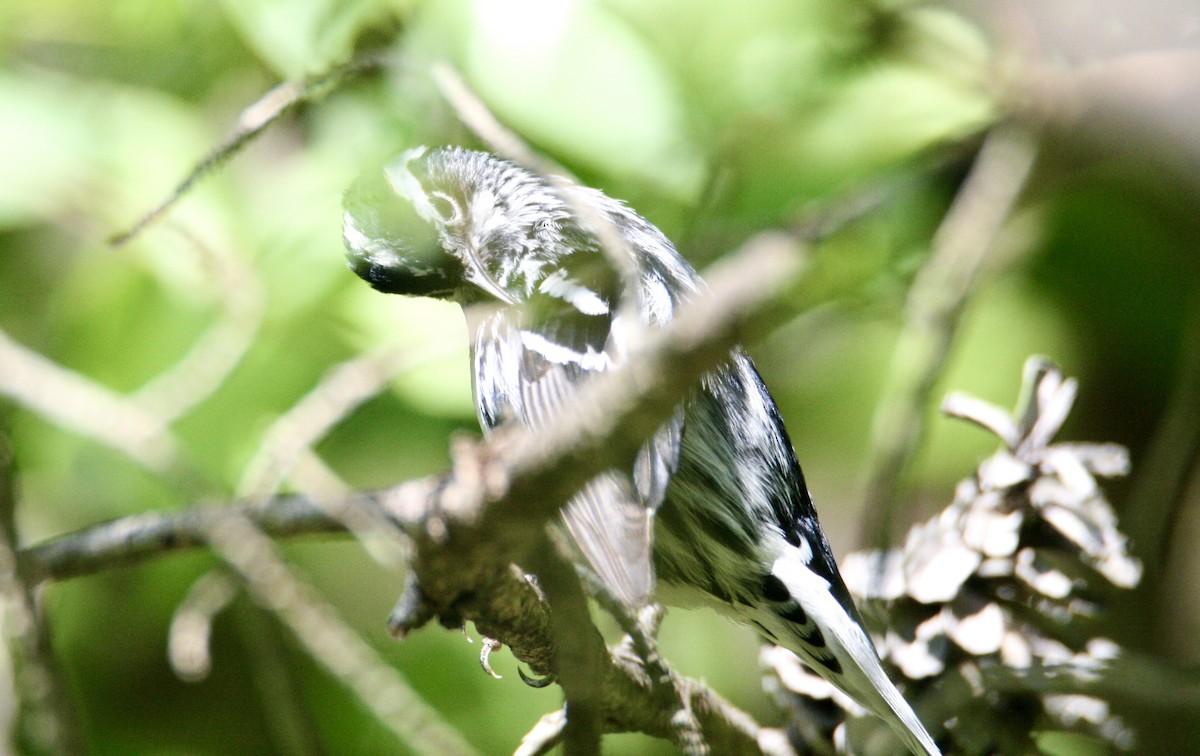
(714, 119)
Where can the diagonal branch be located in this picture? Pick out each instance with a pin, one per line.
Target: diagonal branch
(934, 307)
(72, 401)
(275, 104)
(471, 523)
(327, 638)
(46, 721)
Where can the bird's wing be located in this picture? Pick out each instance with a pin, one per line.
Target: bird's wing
(529, 361)
(609, 519)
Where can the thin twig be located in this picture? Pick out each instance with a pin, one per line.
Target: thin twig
(45, 719)
(78, 404)
(290, 723)
(343, 388)
(269, 108)
(173, 392)
(935, 303)
(137, 538)
(325, 636)
(286, 450)
(546, 734)
(188, 638)
(1160, 488)
(473, 112)
(579, 652)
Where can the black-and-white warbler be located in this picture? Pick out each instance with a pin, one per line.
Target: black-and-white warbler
(715, 504)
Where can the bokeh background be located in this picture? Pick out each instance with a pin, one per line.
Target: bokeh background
(715, 120)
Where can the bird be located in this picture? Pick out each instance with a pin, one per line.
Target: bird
(715, 509)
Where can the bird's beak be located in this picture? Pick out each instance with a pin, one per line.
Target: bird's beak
(400, 177)
(478, 276)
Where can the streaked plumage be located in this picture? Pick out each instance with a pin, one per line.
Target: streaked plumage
(716, 501)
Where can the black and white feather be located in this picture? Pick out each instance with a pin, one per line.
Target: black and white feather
(716, 504)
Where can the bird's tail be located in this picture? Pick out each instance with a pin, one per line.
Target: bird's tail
(891, 707)
(831, 640)
(864, 680)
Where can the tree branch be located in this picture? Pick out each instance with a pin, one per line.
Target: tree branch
(135, 539)
(74, 402)
(327, 638)
(933, 310)
(471, 523)
(46, 721)
(276, 103)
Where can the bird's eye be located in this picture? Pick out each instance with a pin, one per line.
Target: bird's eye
(445, 207)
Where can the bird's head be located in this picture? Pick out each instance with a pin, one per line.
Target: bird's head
(453, 224)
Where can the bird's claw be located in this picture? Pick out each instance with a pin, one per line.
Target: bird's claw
(489, 645)
(537, 682)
